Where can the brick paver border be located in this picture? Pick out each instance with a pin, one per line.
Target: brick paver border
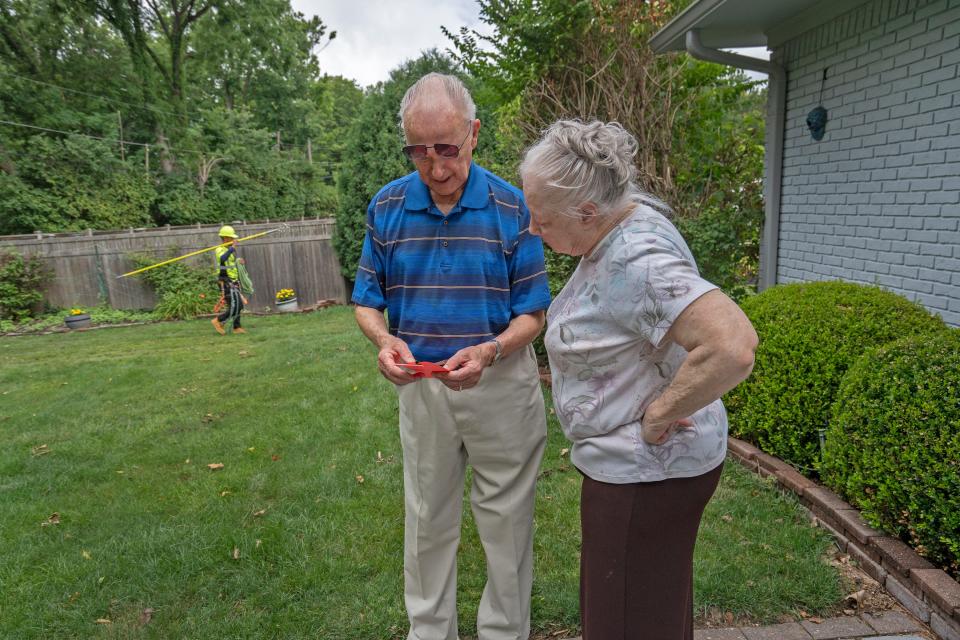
(927, 592)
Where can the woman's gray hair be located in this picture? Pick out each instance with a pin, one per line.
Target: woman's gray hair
(577, 162)
(429, 85)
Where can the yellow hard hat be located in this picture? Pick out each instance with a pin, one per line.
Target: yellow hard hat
(226, 231)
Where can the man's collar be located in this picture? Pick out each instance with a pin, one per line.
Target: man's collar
(474, 196)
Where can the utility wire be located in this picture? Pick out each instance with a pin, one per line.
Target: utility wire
(90, 95)
(326, 163)
(129, 104)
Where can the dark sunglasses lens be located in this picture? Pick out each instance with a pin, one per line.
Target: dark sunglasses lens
(446, 150)
(416, 151)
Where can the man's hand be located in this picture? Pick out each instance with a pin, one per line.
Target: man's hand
(467, 365)
(392, 351)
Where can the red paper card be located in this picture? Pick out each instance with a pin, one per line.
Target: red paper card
(422, 369)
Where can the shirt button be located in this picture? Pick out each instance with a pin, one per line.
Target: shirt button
(444, 243)
(444, 222)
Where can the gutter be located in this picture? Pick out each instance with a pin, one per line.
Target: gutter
(773, 154)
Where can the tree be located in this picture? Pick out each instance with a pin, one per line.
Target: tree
(260, 56)
(552, 59)
(72, 184)
(207, 84)
(156, 33)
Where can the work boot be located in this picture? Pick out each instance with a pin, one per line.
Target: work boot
(216, 325)
(239, 330)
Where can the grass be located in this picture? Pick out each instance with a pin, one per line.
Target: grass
(300, 533)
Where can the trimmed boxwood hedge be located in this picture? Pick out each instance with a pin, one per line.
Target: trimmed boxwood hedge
(810, 334)
(893, 446)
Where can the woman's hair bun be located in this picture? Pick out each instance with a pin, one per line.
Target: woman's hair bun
(601, 144)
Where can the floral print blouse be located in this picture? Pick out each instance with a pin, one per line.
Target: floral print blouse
(609, 361)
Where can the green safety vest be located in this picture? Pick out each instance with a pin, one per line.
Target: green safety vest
(231, 262)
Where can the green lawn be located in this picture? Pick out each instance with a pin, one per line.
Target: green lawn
(299, 535)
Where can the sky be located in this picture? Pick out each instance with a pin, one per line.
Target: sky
(375, 36)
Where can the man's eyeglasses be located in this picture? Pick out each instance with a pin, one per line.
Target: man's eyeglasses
(419, 151)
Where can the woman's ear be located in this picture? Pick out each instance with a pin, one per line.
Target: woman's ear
(587, 212)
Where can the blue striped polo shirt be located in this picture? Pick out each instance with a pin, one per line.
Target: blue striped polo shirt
(450, 281)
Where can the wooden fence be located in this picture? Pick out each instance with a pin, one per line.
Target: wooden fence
(86, 265)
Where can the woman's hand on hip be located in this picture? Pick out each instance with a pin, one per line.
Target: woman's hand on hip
(659, 432)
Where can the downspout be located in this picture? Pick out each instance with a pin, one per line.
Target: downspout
(773, 160)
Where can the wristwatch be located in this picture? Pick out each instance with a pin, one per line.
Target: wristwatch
(499, 353)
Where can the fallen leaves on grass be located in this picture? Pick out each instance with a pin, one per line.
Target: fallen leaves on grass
(564, 452)
(145, 616)
(103, 621)
(53, 519)
(215, 466)
(236, 553)
(359, 479)
(257, 514)
(40, 450)
(86, 555)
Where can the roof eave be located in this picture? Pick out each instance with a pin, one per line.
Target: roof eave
(671, 36)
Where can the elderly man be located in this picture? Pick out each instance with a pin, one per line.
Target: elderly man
(449, 255)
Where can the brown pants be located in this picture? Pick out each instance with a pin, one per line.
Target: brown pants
(636, 562)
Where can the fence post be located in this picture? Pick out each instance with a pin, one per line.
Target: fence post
(101, 282)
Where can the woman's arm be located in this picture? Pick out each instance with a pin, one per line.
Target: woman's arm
(720, 343)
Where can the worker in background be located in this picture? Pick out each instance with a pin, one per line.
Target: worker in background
(228, 278)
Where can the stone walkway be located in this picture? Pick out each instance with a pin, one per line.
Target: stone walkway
(884, 626)
(888, 625)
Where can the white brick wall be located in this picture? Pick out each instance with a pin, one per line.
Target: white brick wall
(877, 200)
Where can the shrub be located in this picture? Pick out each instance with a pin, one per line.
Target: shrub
(22, 280)
(810, 335)
(893, 446)
(183, 291)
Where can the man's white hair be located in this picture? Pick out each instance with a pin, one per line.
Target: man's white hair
(430, 85)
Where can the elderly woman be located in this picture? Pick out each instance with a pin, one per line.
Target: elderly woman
(641, 348)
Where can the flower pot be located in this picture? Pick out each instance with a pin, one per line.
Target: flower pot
(288, 306)
(78, 321)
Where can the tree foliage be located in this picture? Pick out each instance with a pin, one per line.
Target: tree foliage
(22, 279)
(199, 91)
(699, 126)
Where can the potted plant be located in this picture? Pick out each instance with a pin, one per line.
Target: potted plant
(77, 319)
(287, 301)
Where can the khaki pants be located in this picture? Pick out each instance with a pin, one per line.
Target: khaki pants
(499, 429)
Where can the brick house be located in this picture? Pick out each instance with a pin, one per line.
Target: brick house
(876, 199)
